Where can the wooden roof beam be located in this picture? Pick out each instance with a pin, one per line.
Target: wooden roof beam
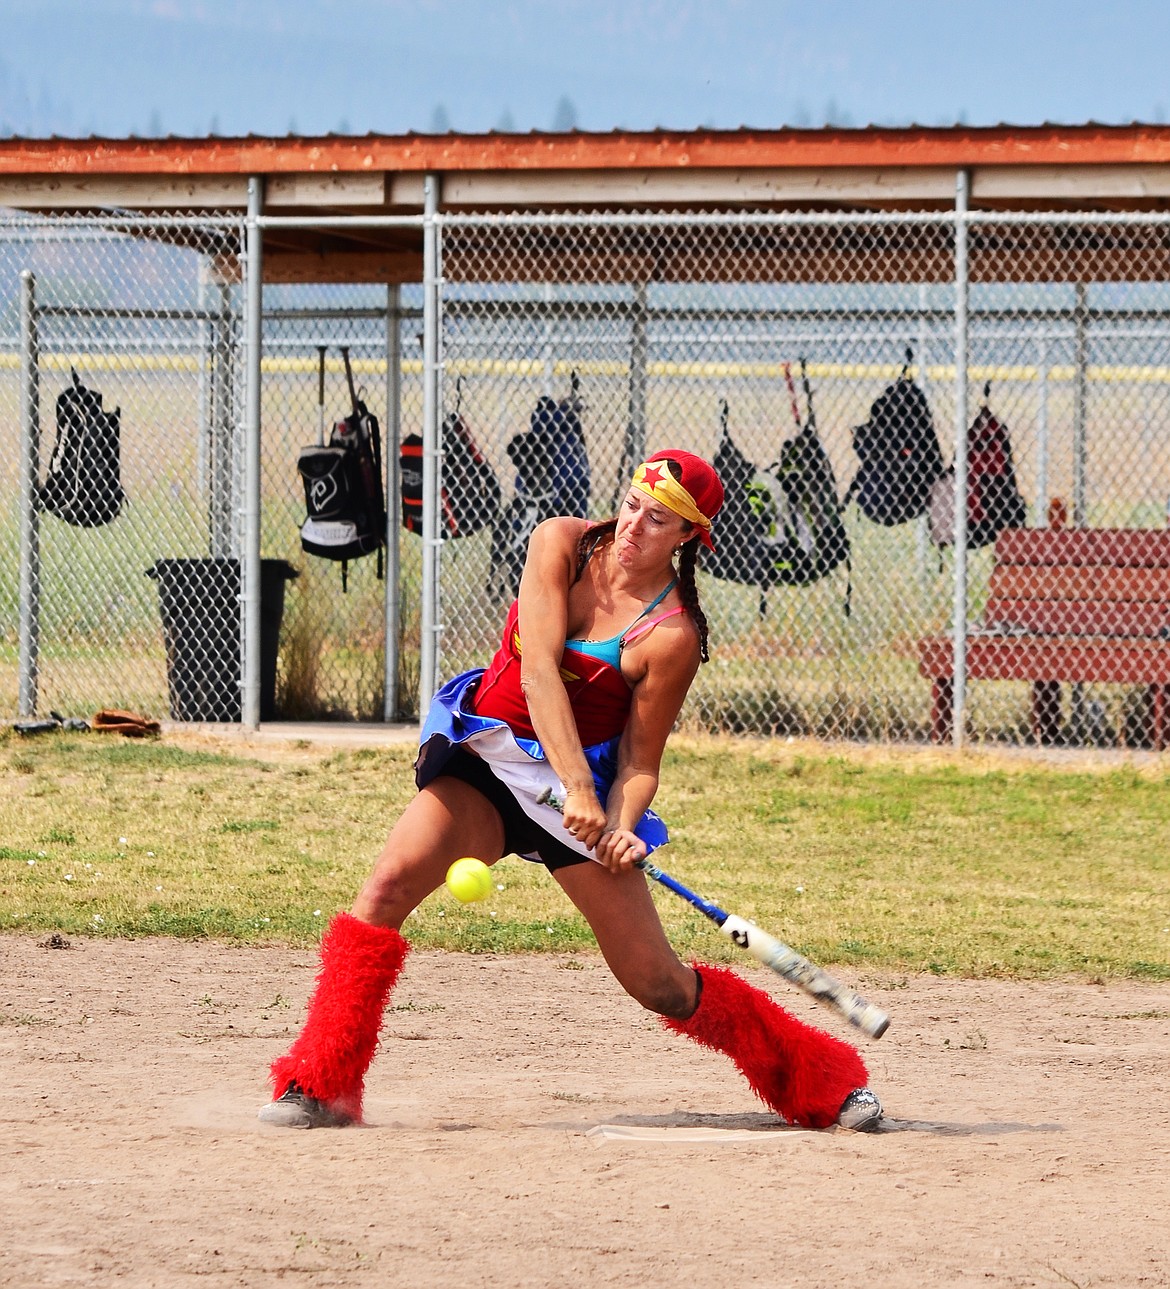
(920, 187)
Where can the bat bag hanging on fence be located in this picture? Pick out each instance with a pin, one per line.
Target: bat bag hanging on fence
(469, 492)
(780, 526)
(344, 493)
(899, 454)
(553, 477)
(993, 495)
(83, 486)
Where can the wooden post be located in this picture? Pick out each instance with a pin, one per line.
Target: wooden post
(942, 715)
(1045, 712)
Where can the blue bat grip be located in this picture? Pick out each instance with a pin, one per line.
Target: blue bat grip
(713, 911)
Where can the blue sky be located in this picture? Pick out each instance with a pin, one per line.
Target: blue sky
(198, 67)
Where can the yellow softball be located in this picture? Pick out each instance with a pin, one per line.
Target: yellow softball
(469, 880)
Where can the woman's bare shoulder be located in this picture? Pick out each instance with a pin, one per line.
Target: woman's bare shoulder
(670, 649)
(676, 631)
(552, 553)
(561, 530)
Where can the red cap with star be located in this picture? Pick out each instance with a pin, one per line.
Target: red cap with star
(696, 495)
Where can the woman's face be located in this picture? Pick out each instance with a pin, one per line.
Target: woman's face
(647, 532)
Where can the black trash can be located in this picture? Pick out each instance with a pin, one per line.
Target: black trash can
(200, 604)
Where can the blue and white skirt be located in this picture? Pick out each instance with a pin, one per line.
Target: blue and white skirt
(519, 763)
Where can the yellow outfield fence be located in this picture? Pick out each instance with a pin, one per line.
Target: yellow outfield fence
(305, 365)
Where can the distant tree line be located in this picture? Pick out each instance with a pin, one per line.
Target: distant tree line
(564, 118)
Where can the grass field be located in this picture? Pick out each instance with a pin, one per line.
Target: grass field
(889, 861)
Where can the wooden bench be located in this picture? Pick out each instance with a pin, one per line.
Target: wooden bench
(1066, 606)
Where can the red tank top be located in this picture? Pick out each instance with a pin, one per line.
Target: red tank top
(597, 691)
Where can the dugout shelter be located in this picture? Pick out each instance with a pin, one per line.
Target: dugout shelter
(668, 271)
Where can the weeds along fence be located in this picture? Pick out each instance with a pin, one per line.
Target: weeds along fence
(666, 330)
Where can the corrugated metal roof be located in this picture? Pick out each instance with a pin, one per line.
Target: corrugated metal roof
(1091, 143)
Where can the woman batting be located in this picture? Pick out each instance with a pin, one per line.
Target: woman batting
(598, 653)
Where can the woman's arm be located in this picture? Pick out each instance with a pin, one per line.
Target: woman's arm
(549, 572)
(669, 659)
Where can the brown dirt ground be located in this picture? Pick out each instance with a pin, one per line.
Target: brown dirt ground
(1025, 1139)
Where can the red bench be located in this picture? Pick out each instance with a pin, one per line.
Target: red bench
(1066, 606)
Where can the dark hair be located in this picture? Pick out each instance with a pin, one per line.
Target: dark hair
(595, 534)
(689, 591)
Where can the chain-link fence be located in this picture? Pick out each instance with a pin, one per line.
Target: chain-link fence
(124, 377)
(333, 662)
(121, 392)
(693, 332)
(811, 356)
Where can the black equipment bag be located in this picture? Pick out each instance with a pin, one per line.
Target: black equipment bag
(812, 536)
(83, 486)
(780, 526)
(899, 454)
(993, 495)
(742, 530)
(344, 493)
(552, 478)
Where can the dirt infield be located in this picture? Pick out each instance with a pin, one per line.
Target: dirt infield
(530, 1126)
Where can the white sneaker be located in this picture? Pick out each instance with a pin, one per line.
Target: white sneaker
(861, 1111)
(295, 1109)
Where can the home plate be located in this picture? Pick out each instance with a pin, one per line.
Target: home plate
(697, 1133)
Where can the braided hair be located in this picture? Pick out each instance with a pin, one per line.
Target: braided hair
(687, 589)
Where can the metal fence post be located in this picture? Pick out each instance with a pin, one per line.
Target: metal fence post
(250, 581)
(1076, 692)
(393, 491)
(634, 440)
(429, 643)
(962, 292)
(220, 437)
(30, 544)
(922, 523)
(1080, 403)
(206, 358)
(1042, 448)
(639, 358)
(548, 327)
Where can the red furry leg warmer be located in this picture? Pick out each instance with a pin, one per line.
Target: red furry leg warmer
(359, 965)
(800, 1072)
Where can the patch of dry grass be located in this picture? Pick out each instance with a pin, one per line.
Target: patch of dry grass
(881, 859)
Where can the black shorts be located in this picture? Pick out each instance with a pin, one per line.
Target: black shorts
(521, 835)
